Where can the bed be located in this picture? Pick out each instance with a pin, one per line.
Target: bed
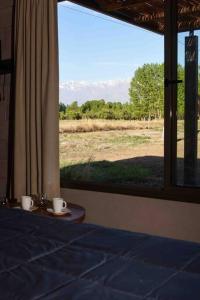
(46, 258)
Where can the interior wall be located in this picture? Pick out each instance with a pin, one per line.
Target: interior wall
(154, 216)
(6, 11)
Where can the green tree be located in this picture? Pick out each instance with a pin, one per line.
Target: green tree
(181, 93)
(73, 111)
(92, 109)
(62, 107)
(147, 91)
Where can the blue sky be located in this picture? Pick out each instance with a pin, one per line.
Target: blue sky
(93, 49)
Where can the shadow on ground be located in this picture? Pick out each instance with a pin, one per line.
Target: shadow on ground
(146, 170)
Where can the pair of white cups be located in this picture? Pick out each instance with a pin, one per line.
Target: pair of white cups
(58, 204)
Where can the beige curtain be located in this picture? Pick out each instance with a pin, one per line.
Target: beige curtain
(36, 132)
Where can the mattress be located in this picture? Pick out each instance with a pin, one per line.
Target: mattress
(47, 258)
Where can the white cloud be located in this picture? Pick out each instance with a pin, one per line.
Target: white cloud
(81, 91)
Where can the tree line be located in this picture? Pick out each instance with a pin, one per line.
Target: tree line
(97, 109)
(146, 99)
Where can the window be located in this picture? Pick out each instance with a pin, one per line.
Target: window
(111, 94)
(128, 116)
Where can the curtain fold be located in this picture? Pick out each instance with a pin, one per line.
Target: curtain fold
(36, 124)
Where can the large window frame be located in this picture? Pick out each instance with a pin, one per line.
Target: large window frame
(170, 191)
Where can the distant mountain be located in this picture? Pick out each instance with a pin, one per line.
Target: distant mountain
(81, 91)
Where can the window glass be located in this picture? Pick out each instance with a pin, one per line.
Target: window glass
(188, 139)
(111, 100)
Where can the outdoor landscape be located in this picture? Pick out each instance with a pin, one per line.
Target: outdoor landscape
(118, 143)
(112, 101)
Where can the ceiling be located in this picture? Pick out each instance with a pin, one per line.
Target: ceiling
(147, 14)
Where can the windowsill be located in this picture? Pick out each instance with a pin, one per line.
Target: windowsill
(180, 194)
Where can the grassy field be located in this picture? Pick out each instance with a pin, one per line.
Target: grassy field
(119, 152)
(74, 126)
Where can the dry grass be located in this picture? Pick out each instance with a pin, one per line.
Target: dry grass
(128, 152)
(74, 126)
(131, 156)
(121, 152)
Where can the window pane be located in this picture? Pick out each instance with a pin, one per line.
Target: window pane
(188, 146)
(111, 100)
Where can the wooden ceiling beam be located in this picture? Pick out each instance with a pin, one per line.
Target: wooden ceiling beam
(128, 4)
(149, 17)
(190, 24)
(118, 5)
(189, 9)
(158, 16)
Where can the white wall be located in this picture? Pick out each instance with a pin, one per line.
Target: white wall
(160, 217)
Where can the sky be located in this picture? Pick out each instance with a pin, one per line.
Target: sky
(98, 55)
(95, 47)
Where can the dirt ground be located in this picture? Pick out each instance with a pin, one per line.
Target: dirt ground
(131, 148)
(140, 149)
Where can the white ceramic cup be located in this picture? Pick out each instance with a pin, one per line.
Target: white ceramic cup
(59, 204)
(27, 202)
